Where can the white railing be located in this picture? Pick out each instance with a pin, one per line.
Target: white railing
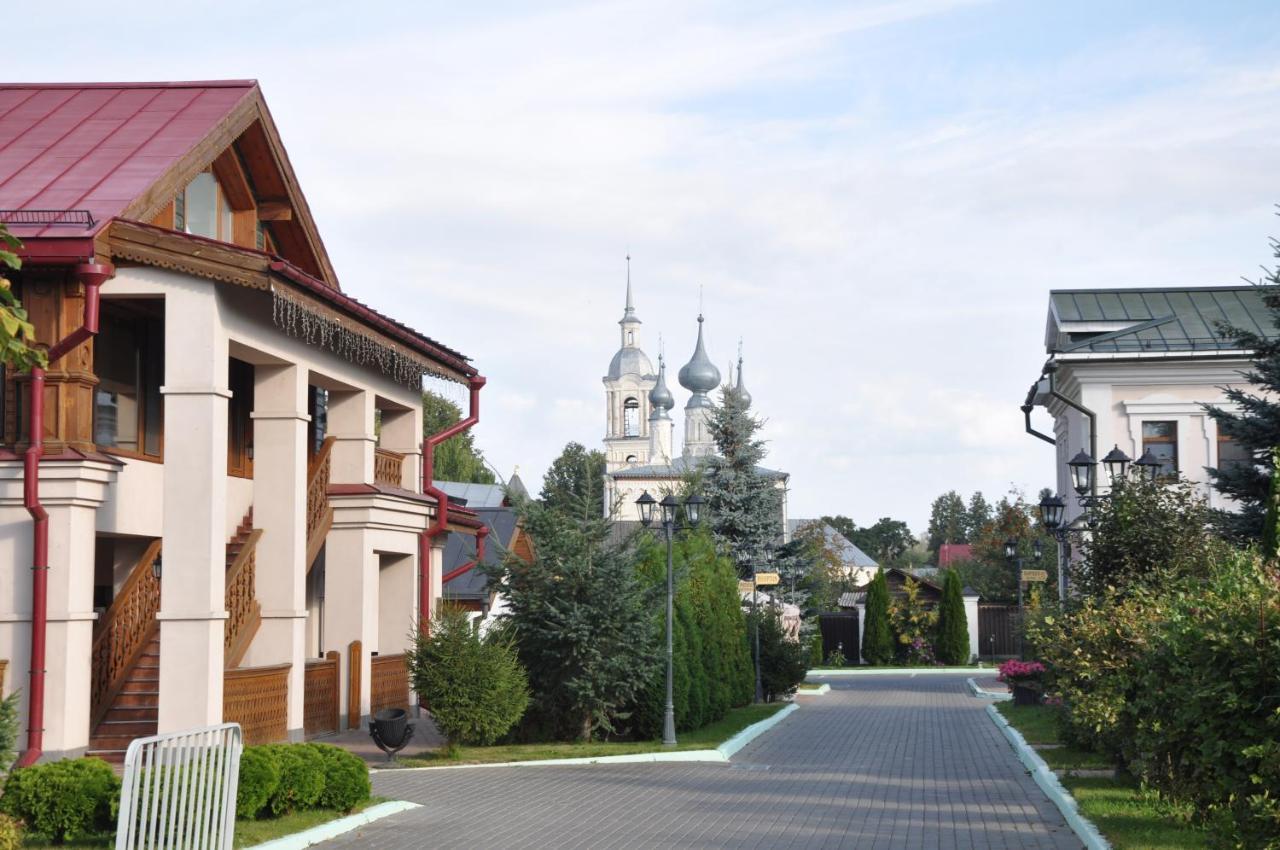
(179, 790)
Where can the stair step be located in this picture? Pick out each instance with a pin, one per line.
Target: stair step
(144, 699)
(140, 684)
(131, 713)
(114, 742)
(130, 728)
(108, 755)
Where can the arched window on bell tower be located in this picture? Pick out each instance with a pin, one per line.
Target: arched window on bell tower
(631, 418)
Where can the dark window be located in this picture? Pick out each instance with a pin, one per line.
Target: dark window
(128, 358)
(1232, 455)
(318, 407)
(631, 418)
(239, 420)
(1161, 439)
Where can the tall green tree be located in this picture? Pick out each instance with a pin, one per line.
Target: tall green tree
(17, 335)
(948, 522)
(952, 645)
(574, 483)
(977, 515)
(888, 540)
(1252, 421)
(744, 506)
(457, 458)
(582, 622)
(988, 571)
(877, 637)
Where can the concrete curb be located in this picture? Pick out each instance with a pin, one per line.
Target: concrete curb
(1049, 784)
(334, 828)
(983, 693)
(721, 753)
(819, 673)
(824, 688)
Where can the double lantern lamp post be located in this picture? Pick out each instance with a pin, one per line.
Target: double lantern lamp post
(1084, 481)
(670, 505)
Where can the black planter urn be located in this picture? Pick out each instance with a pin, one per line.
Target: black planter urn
(1022, 695)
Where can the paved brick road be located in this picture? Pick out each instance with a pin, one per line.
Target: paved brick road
(879, 762)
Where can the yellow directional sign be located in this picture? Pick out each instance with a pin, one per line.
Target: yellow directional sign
(1035, 575)
(767, 579)
(744, 587)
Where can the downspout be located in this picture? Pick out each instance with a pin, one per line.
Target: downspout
(441, 523)
(1027, 407)
(92, 275)
(481, 533)
(1050, 369)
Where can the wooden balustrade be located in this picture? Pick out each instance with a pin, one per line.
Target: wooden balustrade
(388, 467)
(389, 687)
(123, 633)
(243, 609)
(320, 696)
(258, 699)
(319, 511)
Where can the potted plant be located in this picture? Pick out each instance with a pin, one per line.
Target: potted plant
(1024, 678)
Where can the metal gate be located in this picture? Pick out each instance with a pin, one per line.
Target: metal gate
(840, 631)
(179, 790)
(997, 630)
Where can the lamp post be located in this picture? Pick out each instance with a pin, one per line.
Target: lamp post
(1012, 555)
(692, 510)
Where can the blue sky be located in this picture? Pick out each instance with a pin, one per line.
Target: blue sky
(876, 197)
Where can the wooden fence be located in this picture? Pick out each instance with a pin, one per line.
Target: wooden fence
(997, 630)
(839, 633)
(257, 698)
(390, 685)
(320, 696)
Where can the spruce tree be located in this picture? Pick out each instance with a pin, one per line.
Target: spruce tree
(948, 522)
(744, 507)
(1256, 425)
(952, 645)
(877, 639)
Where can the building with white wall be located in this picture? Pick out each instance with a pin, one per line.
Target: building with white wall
(230, 461)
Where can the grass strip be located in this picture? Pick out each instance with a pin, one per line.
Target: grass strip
(1037, 723)
(708, 737)
(1133, 818)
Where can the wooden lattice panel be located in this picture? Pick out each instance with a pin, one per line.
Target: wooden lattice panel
(390, 685)
(258, 699)
(320, 696)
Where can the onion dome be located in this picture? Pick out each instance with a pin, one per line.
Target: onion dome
(699, 375)
(630, 361)
(740, 388)
(660, 397)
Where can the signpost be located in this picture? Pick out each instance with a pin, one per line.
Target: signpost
(1035, 575)
(767, 579)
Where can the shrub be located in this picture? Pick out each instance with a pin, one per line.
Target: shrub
(815, 650)
(8, 730)
(259, 779)
(952, 645)
(836, 659)
(346, 781)
(10, 833)
(782, 660)
(1023, 674)
(63, 800)
(476, 688)
(877, 640)
(914, 626)
(302, 777)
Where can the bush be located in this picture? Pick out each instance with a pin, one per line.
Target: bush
(952, 645)
(914, 626)
(259, 779)
(475, 688)
(10, 833)
(877, 639)
(836, 659)
(782, 660)
(815, 650)
(346, 781)
(302, 778)
(8, 730)
(63, 800)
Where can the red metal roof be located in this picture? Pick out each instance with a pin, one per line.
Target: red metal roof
(952, 553)
(99, 146)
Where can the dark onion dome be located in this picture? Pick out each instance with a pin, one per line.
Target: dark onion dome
(630, 361)
(660, 397)
(741, 388)
(699, 375)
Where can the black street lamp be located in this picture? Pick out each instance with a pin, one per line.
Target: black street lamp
(1015, 560)
(1148, 466)
(1116, 463)
(693, 514)
(1082, 466)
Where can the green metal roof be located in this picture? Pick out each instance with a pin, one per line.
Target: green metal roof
(1182, 319)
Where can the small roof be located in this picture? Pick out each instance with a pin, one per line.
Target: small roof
(950, 553)
(98, 146)
(850, 554)
(1158, 320)
(474, 496)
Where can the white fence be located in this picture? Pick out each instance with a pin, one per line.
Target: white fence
(180, 790)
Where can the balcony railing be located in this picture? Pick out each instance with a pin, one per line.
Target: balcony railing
(388, 467)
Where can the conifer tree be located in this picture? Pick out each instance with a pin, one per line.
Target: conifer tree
(877, 639)
(744, 507)
(952, 645)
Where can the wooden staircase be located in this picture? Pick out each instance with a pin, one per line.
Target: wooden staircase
(125, 700)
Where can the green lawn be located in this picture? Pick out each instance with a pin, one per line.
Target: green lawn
(708, 737)
(810, 686)
(1131, 818)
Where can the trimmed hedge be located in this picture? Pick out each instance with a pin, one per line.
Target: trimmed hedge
(279, 778)
(63, 800)
(346, 778)
(259, 778)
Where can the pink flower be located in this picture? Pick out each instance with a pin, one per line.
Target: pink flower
(1014, 671)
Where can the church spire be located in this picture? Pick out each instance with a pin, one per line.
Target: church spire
(629, 313)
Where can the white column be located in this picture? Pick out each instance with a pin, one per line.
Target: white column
(351, 602)
(971, 618)
(193, 585)
(280, 510)
(402, 432)
(350, 423)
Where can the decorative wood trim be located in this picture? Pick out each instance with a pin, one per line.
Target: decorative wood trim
(244, 613)
(389, 685)
(233, 180)
(123, 634)
(258, 699)
(388, 467)
(319, 511)
(354, 655)
(275, 211)
(321, 695)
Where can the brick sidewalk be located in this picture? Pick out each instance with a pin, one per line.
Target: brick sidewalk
(879, 762)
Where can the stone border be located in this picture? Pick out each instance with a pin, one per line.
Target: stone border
(983, 693)
(334, 828)
(824, 688)
(1049, 784)
(819, 672)
(721, 753)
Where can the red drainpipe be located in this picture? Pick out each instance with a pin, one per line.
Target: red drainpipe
(92, 275)
(481, 533)
(441, 523)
